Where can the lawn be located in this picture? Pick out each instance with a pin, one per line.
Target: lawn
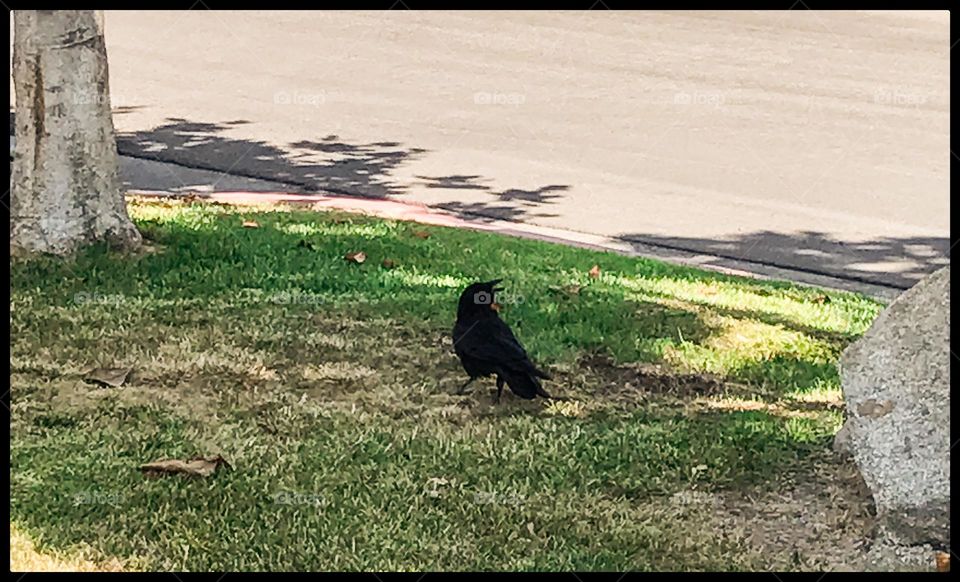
(699, 406)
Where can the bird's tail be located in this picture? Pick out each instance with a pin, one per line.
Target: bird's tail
(539, 387)
(526, 384)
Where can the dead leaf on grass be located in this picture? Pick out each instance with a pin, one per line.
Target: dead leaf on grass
(112, 377)
(388, 263)
(594, 272)
(251, 224)
(421, 234)
(197, 466)
(357, 257)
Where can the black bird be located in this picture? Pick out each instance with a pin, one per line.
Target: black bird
(485, 344)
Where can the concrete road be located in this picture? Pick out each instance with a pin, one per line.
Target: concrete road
(810, 141)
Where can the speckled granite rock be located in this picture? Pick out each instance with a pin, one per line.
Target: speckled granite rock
(896, 384)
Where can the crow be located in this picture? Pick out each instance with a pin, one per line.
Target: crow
(485, 344)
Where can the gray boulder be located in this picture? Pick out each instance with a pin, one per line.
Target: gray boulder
(896, 384)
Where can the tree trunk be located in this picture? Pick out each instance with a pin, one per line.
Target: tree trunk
(66, 190)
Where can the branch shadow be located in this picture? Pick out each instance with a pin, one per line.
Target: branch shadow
(328, 164)
(513, 204)
(911, 258)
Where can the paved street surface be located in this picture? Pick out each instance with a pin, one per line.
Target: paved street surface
(811, 141)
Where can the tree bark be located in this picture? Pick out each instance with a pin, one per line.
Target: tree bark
(66, 191)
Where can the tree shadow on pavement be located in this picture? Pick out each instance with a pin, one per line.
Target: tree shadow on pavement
(888, 261)
(328, 164)
(512, 204)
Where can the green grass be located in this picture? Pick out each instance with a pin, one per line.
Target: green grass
(329, 385)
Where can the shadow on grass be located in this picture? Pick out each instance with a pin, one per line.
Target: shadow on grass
(345, 396)
(297, 259)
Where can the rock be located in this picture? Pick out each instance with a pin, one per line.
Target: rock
(886, 556)
(896, 385)
(841, 440)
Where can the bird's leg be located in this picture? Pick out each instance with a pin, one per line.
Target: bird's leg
(464, 387)
(499, 389)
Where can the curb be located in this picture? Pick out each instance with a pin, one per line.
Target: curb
(421, 213)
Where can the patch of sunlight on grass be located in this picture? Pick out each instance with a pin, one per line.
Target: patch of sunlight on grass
(741, 405)
(368, 230)
(153, 213)
(811, 429)
(419, 278)
(739, 343)
(752, 337)
(25, 557)
(792, 305)
(823, 392)
(570, 409)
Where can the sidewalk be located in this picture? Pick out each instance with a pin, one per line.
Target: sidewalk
(149, 178)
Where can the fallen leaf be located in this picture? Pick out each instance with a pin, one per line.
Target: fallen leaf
(357, 257)
(197, 466)
(388, 264)
(821, 299)
(108, 376)
(530, 527)
(250, 224)
(943, 562)
(421, 234)
(595, 271)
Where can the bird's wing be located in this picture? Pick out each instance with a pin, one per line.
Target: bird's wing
(491, 340)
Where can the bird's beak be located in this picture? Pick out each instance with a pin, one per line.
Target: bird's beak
(496, 307)
(493, 285)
